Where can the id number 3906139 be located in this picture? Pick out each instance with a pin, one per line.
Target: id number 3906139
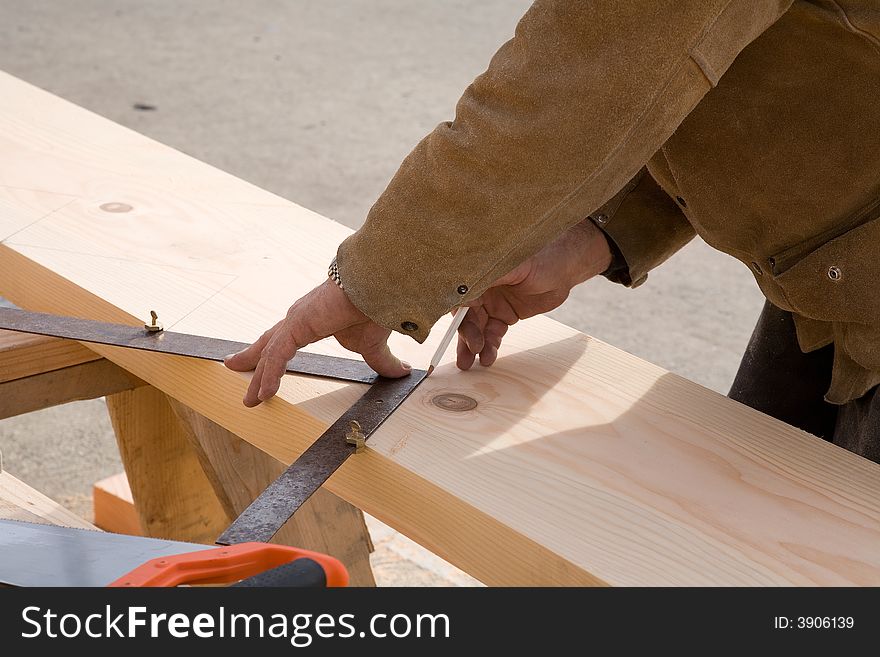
(813, 622)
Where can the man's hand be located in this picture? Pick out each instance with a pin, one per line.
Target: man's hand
(324, 311)
(536, 286)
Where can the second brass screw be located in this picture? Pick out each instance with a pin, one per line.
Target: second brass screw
(355, 436)
(154, 326)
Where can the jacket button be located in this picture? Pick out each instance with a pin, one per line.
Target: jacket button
(757, 269)
(409, 326)
(462, 289)
(601, 218)
(835, 274)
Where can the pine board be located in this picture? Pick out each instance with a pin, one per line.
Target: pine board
(580, 465)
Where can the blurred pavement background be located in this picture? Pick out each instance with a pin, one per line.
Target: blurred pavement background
(319, 102)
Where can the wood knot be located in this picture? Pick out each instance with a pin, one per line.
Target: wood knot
(451, 401)
(116, 207)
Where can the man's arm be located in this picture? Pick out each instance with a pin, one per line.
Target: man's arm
(569, 110)
(567, 113)
(634, 232)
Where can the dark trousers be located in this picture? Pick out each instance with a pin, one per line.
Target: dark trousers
(777, 378)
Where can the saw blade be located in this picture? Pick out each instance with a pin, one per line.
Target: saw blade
(284, 496)
(47, 555)
(168, 342)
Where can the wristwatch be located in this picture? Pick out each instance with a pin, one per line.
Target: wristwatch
(333, 273)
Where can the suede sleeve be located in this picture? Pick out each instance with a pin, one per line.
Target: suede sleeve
(568, 111)
(645, 227)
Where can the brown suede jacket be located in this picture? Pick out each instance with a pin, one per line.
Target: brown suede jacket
(753, 123)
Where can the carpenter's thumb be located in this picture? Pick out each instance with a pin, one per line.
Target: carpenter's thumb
(385, 363)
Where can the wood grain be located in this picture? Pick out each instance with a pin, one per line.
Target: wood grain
(114, 506)
(90, 380)
(18, 501)
(580, 465)
(171, 492)
(23, 355)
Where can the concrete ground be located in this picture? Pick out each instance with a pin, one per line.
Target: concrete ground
(319, 102)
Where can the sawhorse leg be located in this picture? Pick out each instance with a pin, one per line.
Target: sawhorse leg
(171, 493)
(189, 476)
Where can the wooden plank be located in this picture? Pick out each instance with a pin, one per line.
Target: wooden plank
(20, 207)
(18, 501)
(580, 465)
(172, 495)
(113, 505)
(23, 355)
(240, 472)
(86, 381)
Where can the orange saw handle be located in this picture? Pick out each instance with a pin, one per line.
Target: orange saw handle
(223, 565)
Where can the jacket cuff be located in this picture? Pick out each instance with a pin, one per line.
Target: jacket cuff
(618, 270)
(383, 293)
(644, 228)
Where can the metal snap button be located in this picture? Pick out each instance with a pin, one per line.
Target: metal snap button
(409, 326)
(601, 218)
(462, 289)
(834, 273)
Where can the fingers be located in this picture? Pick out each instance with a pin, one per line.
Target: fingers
(464, 356)
(380, 358)
(499, 306)
(492, 336)
(322, 312)
(268, 358)
(480, 333)
(247, 359)
(252, 396)
(270, 368)
(267, 370)
(470, 337)
(471, 329)
(281, 348)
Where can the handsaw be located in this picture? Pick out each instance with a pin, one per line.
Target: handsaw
(48, 555)
(283, 497)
